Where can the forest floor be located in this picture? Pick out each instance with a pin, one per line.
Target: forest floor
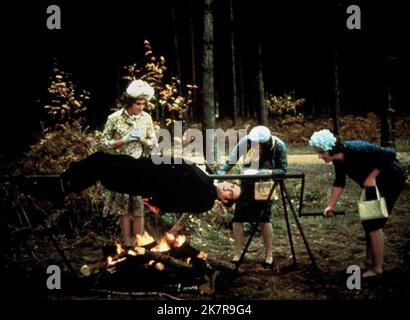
(336, 243)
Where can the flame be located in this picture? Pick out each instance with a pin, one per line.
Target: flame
(202, 255)
(139, 250)
(169, 240)
(162, 246)
(151, 262)
(132, 253)
(188, 260)
(170, 237)
(144, 240)
(179, 241)
(119, 248)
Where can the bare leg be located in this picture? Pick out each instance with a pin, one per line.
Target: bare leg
(377, 250)
(267, 239)
(138, 226)
(237, 229)
(367, 263)
(125, 223)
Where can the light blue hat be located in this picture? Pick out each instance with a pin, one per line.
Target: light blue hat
(323, 140)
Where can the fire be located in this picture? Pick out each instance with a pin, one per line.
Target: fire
(119, 248)
(139, 250)
(144, 240)
(179, 241)
(168, 241)
(202, 255)
(170, 237)
(162, 246)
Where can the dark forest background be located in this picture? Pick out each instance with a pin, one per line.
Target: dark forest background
(296, 45)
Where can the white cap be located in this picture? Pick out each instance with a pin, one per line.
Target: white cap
(138, 88)
(260, 134)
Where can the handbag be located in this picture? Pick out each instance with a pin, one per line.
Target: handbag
(372, 209)
(262, 190)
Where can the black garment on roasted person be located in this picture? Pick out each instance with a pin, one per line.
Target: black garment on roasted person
(173, 187)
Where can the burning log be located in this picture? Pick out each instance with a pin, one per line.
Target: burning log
(170, 263)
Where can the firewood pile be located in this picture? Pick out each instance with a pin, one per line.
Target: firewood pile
(169, 265)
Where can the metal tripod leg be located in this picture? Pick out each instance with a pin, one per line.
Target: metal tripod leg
(312, 258)
(292, 248)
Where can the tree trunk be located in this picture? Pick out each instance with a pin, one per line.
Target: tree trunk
(387, 128)
(262, 112)
(336, 106)
(193, 68)
(242, 106)
(208, 91)
(119, 91)
(233, 66)
(176, 48)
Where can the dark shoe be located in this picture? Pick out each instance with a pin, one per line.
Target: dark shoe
(235, 259)
(267, 265)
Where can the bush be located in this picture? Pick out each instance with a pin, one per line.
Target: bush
(285, 108)
(66, 101)
(58, 146)
(173, 101)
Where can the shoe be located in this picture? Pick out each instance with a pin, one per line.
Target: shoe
(236, 258)
(267, 265)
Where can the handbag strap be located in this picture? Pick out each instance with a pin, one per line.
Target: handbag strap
(377, 192)
(363, 195)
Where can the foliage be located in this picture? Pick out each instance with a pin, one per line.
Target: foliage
(169, 97)
(60, 145)
(65, 140)
(286, 108)
(66, 101)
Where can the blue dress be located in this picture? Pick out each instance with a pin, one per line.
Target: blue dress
(361, 158)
